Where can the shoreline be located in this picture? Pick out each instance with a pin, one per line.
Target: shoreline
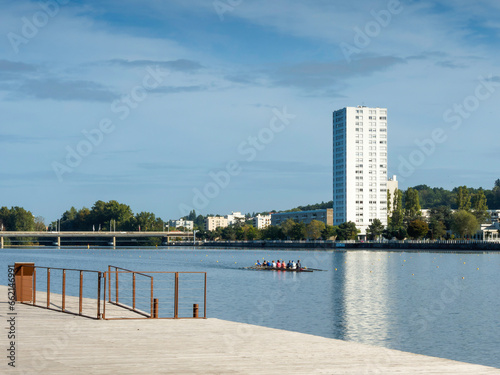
(455, 246)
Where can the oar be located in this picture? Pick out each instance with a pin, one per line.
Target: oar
(313, 269)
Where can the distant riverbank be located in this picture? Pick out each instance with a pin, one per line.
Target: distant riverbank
(333, 245)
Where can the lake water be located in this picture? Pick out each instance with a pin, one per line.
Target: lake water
(439, 304)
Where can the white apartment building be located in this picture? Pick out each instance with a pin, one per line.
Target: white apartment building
(262, 221)
(235, 217)
(360, 166)
(214, 222)
(187, 224)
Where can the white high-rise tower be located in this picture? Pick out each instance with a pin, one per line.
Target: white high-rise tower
(360, 166)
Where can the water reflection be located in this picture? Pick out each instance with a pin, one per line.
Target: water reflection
(443, 305)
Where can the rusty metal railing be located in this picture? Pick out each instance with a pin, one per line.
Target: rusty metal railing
(157, 294)
(51, 291)
(130, 290)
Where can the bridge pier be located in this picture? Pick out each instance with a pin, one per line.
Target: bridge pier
(114, 241)
(1, 242)
(58, 241)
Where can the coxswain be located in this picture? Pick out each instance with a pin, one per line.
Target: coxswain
(299, 266)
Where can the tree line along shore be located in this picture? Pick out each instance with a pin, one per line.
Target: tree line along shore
(452, 214)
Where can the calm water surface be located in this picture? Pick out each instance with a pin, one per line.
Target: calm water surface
(438, 304)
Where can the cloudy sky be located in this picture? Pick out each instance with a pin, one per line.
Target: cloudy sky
(226, 105)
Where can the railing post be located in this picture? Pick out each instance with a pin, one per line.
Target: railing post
(109, 284)
(99, 276)
(34, 285)
(176, 296)
(63, 290)
(116, 281)
(48, 287)
(155, 302)
(104, 300)
(152, 301)
(80, 300)
(133, 290)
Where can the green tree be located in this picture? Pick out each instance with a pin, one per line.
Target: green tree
(298, 232)
(437, 229)
(395, 226)
(463, 199)
(273, 232)
(417, 229)
(105, 213)
(17, 219)
(146, 221)
(396, 219)
(287, 227)
(40, 224)
(314, 229)
(252, 233)
(412, 209)
(329, 233)
(441, 214)
(375, 229)
(497, 183)
(347, 231)
(21, 220)
(464, 224)
(479, 206)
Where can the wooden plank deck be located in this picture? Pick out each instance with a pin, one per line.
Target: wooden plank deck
(50, 342)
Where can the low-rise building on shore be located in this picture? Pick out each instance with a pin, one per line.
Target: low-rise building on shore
(324, 215)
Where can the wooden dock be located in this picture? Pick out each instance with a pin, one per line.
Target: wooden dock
(50, 342)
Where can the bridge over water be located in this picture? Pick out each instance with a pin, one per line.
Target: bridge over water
(111, 236)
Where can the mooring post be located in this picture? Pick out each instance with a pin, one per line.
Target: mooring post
(155, 313)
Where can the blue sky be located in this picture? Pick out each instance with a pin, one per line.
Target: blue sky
(226, 105)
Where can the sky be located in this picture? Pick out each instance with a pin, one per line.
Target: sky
(224, 106)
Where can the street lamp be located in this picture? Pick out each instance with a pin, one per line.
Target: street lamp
(194, 236)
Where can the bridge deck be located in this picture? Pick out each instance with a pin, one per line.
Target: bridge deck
(50, 342)
(95, 234)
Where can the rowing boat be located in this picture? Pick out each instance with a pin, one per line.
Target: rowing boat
(265, 268)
